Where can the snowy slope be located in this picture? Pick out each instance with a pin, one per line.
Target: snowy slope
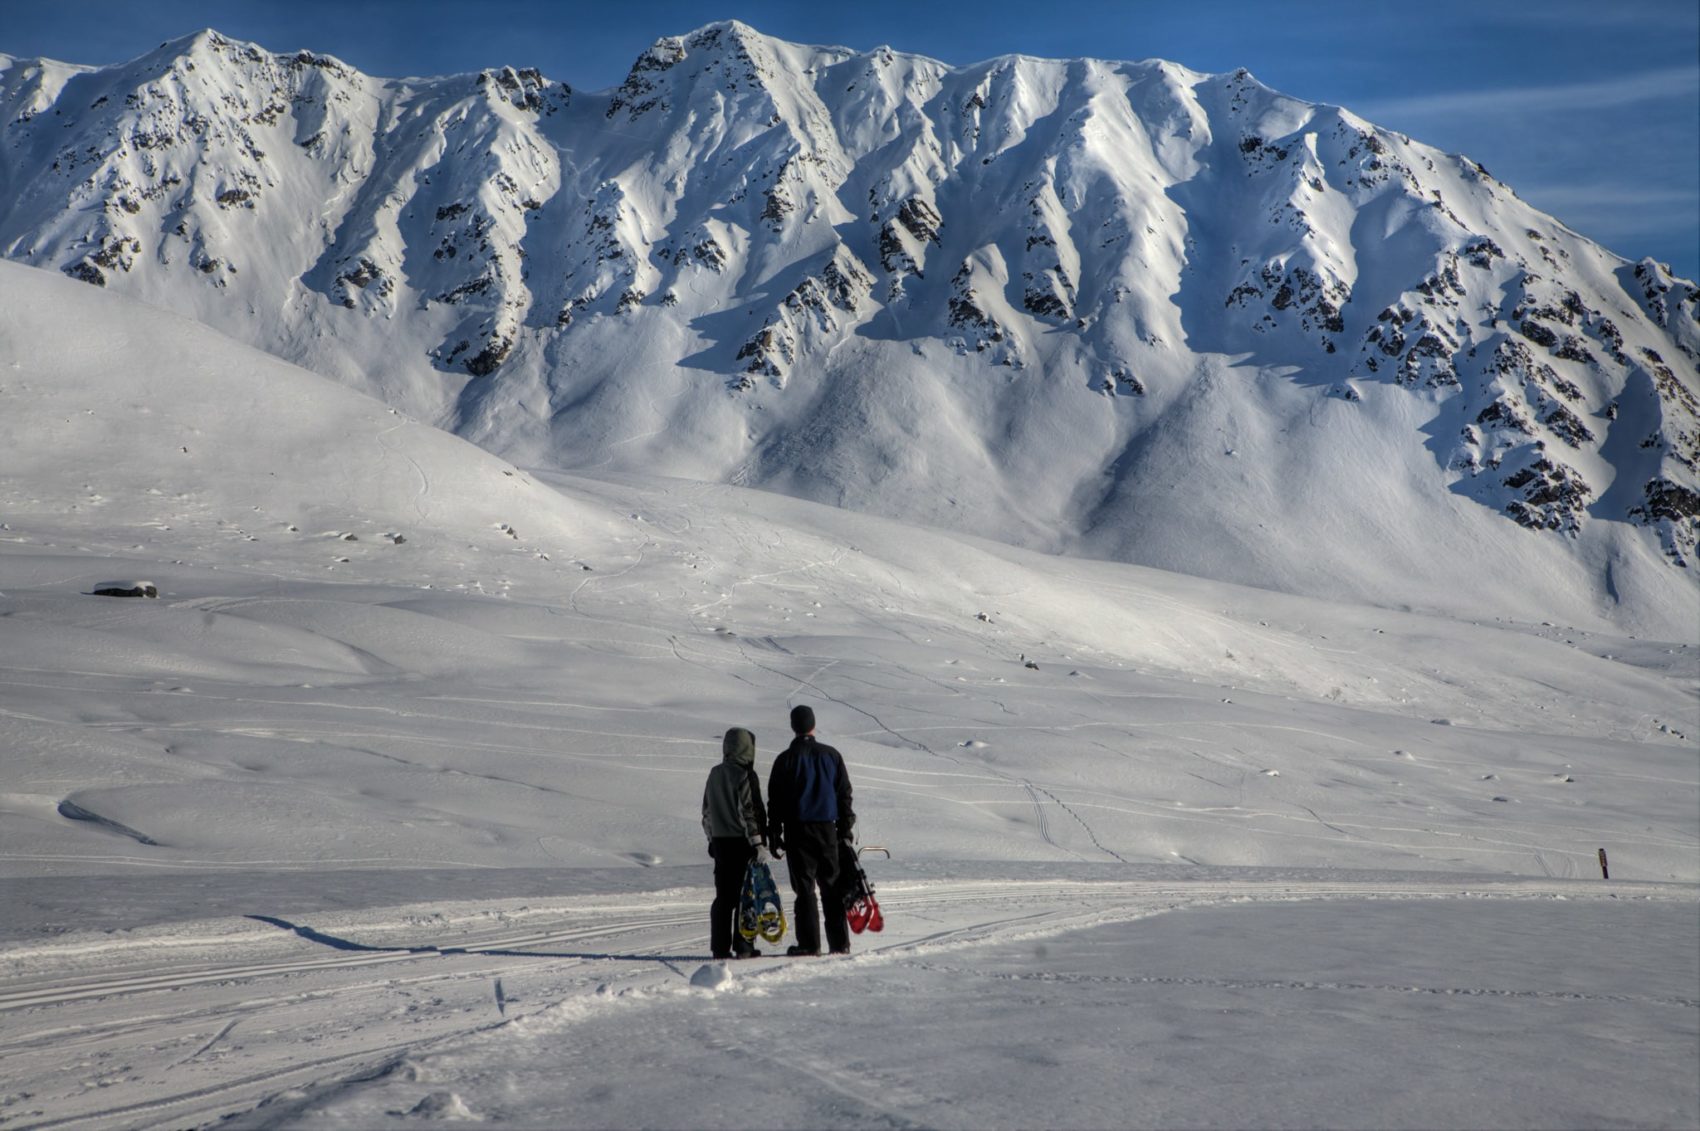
(337, 829)
(306, 537)
(1120, 310)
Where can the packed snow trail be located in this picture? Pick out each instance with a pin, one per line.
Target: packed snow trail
(198, 1021)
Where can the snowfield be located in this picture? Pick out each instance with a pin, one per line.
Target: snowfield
(385, 810)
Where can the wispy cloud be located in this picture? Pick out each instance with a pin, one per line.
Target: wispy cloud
(1628, 90)
(1613, 196)
(1631, 219)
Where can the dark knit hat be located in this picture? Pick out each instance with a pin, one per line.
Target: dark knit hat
(802, 719)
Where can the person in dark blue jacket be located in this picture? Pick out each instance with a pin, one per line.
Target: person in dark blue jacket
(809, 813)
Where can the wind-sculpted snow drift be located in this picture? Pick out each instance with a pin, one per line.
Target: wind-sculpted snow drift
(1122, 310)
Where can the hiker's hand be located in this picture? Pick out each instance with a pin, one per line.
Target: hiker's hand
(762, 856)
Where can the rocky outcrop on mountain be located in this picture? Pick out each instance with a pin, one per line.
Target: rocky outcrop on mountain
(1046, 248)
(816, 310)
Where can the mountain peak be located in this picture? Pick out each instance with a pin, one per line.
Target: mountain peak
(1126, 310)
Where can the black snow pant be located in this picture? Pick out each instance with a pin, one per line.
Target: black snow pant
(732, 856)
(811, 851)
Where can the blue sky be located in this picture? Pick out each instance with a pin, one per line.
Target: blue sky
(1590, 109)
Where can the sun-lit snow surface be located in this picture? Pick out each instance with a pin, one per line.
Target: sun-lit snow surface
(1120, 309)
(455, 764)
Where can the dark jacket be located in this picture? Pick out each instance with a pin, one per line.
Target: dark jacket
(731, 801)
(809, 785)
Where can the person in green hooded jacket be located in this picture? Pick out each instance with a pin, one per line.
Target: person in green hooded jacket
(735, 823)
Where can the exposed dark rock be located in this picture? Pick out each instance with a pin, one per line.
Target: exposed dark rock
(125, 589)
(967, 314)
(769, 352)
(637, 95)
(1668, 501)
(921, 219)
(1429, 361)
(1481, 252)
(117, 252)
(1572, 349)
(779, 205)
(1044, 304)
(490, 358)
(1567, 426)
(1502, 414)
(1674, 508)
(1318, 300)
(1554, 497)
(846, 281)
(709, 253)
(87, 272)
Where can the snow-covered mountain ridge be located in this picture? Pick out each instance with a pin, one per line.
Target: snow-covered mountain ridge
(1117, 309)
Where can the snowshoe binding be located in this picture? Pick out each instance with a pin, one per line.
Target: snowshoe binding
(759, 910)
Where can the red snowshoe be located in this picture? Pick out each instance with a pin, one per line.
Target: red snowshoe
(861, 909)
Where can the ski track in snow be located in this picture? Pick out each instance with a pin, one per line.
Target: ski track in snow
(1032, 789)
(185, 1000)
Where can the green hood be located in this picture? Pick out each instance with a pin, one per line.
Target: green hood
(739, 747)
